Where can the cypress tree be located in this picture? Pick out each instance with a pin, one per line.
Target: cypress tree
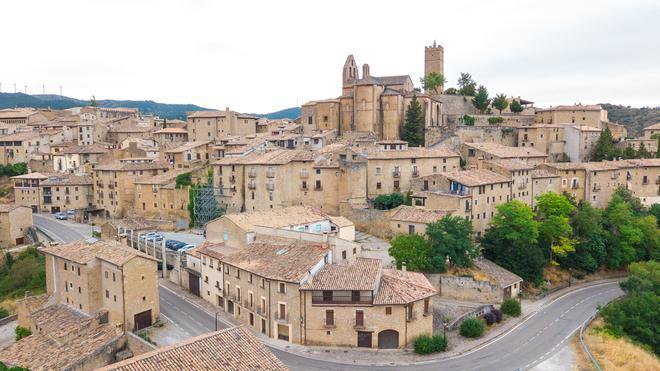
(604, 148)
(413, 128)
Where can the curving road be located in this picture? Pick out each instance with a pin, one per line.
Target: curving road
(526, 345)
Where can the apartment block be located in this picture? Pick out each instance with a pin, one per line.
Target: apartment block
(20, 146)
(189, 154)
(73, 159)
(581, 115)
(63, 192)
(27, 190)
(473, 153)
(96, 275)
(520, 174)
(212, 125)
(171, 135)
(157, 197)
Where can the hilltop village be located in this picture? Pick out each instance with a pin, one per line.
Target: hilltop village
(304, 231)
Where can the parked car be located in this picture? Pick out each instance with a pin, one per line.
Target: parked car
(153, 236)
(71, 213)
(186, 248)
(174, 244)
(60, 215)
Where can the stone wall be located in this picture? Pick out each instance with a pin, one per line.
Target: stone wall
(465, 288)
(102, 356)
(138, 346)
(372, 221)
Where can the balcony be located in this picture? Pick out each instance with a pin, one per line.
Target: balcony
(522, 185)
(415, 173)
(329, 325)
(304, 187)
(596, 187)
(282, 317)
(252, 184)
(396, 174)
(246, 304)
(575, 185)
(657, 181)
(270, 173)
(232, 179)
(252, 173)
(261, 310)
(614, 175)
(318, 187)
(468, 208)
(304, 174)
(111, 185)
(270, 186)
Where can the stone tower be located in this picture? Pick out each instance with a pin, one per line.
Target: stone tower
(434, 60)
(350, 72)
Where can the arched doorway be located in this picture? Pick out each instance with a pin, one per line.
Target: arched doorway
(388, 339)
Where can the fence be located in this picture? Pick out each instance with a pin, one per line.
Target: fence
(584, 344)
(480, 311)
(543, 294)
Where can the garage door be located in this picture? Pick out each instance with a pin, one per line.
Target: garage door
(193, 283)
(388, 339)
(142, 320)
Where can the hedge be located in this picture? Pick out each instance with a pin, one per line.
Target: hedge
(426, 344)
(511, 307)
(472, 328)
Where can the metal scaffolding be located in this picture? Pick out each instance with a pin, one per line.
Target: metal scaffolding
(204, 204)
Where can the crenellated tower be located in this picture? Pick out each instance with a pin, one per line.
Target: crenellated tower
(434, 60)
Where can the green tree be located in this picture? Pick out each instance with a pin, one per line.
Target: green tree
(516, 107)
(388, 201)
(655, 211)
(550, 203)
(413, 128)
(511, 307)
(468, 120)
(451, 91)
(22, 332)
(649, 246)
(183, 180)
(471, 328)
(415, 251)
(451, 238)
(643, 277)
(481, 100)
(511, 241)
(619, 220)
(433, 81)
(629, 152)
(590, 252)
(604, 148)
(92, 102)
(642, 152)
(466, 85)
(628, 197)
(636, 316)
(9, 260)
(500, 102)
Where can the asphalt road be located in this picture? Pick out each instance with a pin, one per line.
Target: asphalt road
(525, 346)
(62, 231)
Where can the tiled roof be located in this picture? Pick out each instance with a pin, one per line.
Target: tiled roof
(5, 208)
(66, 337)
(67, 179)
(186, 147)
(360, 274)
(340, 221)
(540, 173)
(399, 287)
(565, 165)
(502, 151)
(216, 250)
(278, 259)
(207, 114)
(132, 166)
(16, 114)
(84, 251)
(277, 218)
(34, 175)
(232, 349)
(411, 152)
(502, 276)
(653, 127)
(19, 136)
(511, 164)
(577, 107)
(475, 177)
(417, 214)
(171, 131)
(275, 157)
(94, 148)
(130, 128)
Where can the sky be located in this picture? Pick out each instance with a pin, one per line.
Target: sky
(259, 57)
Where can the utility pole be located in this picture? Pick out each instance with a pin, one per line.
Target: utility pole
(25, 86)
(43, 89)
(60, 90)
(14, 87)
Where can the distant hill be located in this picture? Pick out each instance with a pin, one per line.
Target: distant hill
(634, 119)
(287, 113)
(163, 110)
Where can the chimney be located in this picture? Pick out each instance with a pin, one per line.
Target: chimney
(365, 70)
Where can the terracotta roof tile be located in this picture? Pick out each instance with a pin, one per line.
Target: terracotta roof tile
(399, 287)
(417, 214)
(360, 274)
(502, 151)
(84, 251)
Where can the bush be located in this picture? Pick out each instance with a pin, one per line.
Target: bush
(511, 307)
(388, 201)
(183, 180)
(472, 328)
(22, 332)
(498, 315)
(490, 318)
(426, 344)
(468, 120)
(3, 313)
(495, 120)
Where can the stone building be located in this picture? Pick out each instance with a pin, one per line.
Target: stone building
(74, 159)
(64, 192)
(410, 219)
(13, 120)
(360, 304)
(171, 135)
(212, 125)
(189, 154)
(94, 276)
(473, 153)
(27, 190)
(372, 104)
(20, 146)
(487, 283)
(114, 184)
(520, 174)
(157, 197)
(14, 223)
(581, 115)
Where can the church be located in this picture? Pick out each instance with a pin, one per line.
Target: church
(375, 105)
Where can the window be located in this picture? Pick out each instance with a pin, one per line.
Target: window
(282, 288)
(388, 310)
(329, 317)
(378, 171)
(107, 294)
(359, 318)
(106, 274)
(355, 295)
(379, 185)
(327, 296)
(343, 254)
(225, 236)
(65, 268)
(426, 306)
(114, 278)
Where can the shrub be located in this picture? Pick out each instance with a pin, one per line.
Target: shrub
(472, 328)
(3, 313)
(511, 307)
(498, 315)
(426, 344)
(388, 201)
(468, 120)
(490, 318)
(22, 332)
(495, 120)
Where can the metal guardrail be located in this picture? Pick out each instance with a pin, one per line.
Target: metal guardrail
(584, 344)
